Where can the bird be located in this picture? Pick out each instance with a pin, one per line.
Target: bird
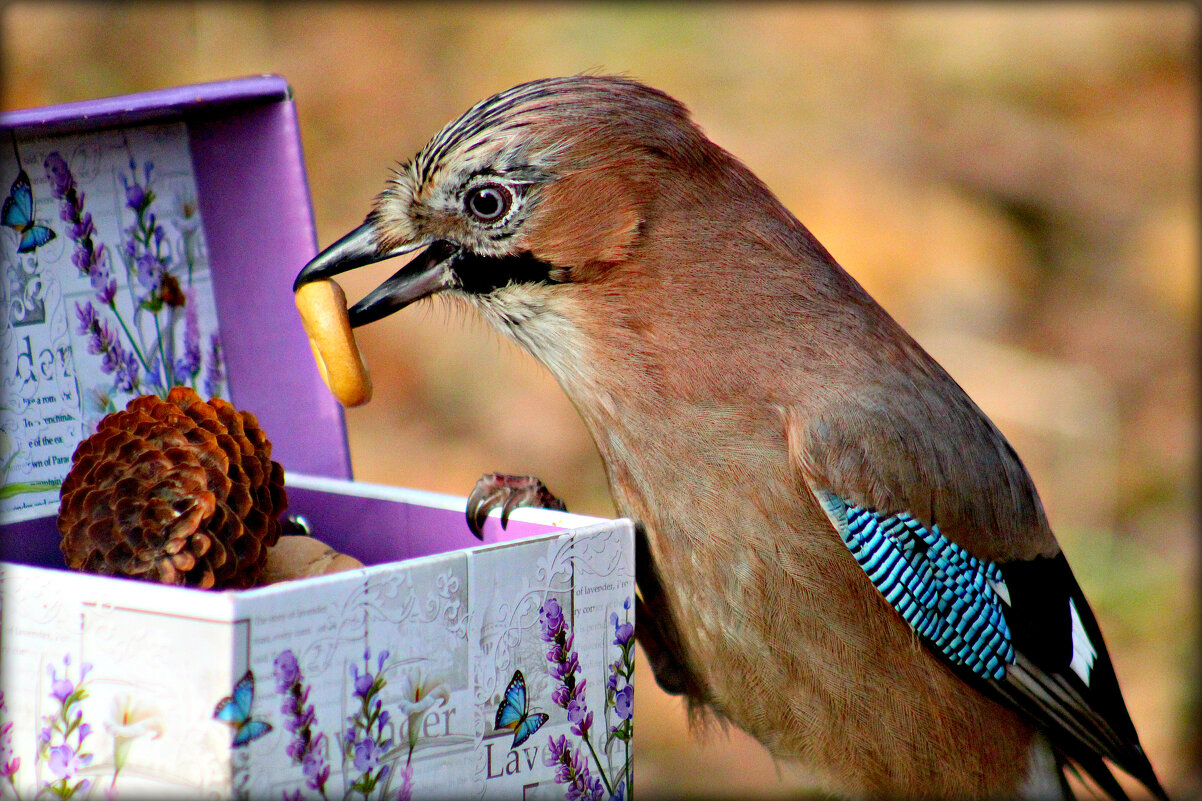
(837, 550)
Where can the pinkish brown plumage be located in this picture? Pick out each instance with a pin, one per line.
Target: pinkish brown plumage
(842, 554)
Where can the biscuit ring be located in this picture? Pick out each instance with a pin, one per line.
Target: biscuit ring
(322, 307)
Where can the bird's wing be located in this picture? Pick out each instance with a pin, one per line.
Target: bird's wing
(1018, 629)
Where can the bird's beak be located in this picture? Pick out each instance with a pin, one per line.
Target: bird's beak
(426, 274)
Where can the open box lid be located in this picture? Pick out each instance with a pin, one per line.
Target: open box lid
(252, 194)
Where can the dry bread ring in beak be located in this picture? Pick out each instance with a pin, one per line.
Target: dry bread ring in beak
(322, 307)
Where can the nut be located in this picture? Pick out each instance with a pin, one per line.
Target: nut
(297, 556)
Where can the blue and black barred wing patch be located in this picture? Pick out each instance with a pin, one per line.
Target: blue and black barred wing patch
(947, 595)
(1022, 629)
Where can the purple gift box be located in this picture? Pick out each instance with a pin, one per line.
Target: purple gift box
(442, 668)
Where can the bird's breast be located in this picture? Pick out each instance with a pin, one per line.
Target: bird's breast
(791, 641)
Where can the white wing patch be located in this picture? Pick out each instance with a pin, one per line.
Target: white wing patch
(1001, 590)
(1084, 653)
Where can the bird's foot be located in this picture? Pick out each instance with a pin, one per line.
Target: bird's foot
(507, 492)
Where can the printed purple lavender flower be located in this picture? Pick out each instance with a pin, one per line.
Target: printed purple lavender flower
(150, 276)
(65, 758)
(60, 689)
(215, 371)
(152, 285)
(623, 632)
(314, 766)
(64, 762)
(550, 618)
(367, 755)
(90, 258)
(579, 716)
(621, 670)
(619, 695)
(147, 356)
(565, 664)
(9, 764)
(624, 702)
(368, 741)
(60, 177)
(102, 340)
(365, 683)
(300, 722)
(148, 262)
(406, 791)
(188, 365)
(125, 373)
(286, 670)
(571, 769)
(300, 717)
(138, 197)
(63, 689)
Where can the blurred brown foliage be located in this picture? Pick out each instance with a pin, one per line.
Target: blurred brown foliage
(1017, 183)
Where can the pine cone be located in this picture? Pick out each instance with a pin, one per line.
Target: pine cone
(177, 491)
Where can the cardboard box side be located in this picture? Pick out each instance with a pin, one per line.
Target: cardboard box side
(137, 659)
(120, 593)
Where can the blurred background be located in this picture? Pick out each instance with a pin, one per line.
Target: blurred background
(1016, 183)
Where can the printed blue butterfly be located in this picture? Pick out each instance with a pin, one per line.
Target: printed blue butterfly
(235, 710)
(18, 215)
(513, 713)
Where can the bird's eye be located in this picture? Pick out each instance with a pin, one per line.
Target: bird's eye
(488, 202)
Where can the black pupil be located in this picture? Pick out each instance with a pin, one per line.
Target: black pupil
(486, 203)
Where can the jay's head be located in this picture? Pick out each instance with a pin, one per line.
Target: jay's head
(547, 186)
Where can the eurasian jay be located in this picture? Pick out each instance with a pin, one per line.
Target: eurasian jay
(840, 553)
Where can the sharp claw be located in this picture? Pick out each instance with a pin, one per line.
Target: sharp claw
(473, 526)
(470, 518)
(490, 502)
(478, 506)
(476, 515)
(507, 492)
(512, 502)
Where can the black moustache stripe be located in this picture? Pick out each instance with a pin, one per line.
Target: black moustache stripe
(480, 275)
